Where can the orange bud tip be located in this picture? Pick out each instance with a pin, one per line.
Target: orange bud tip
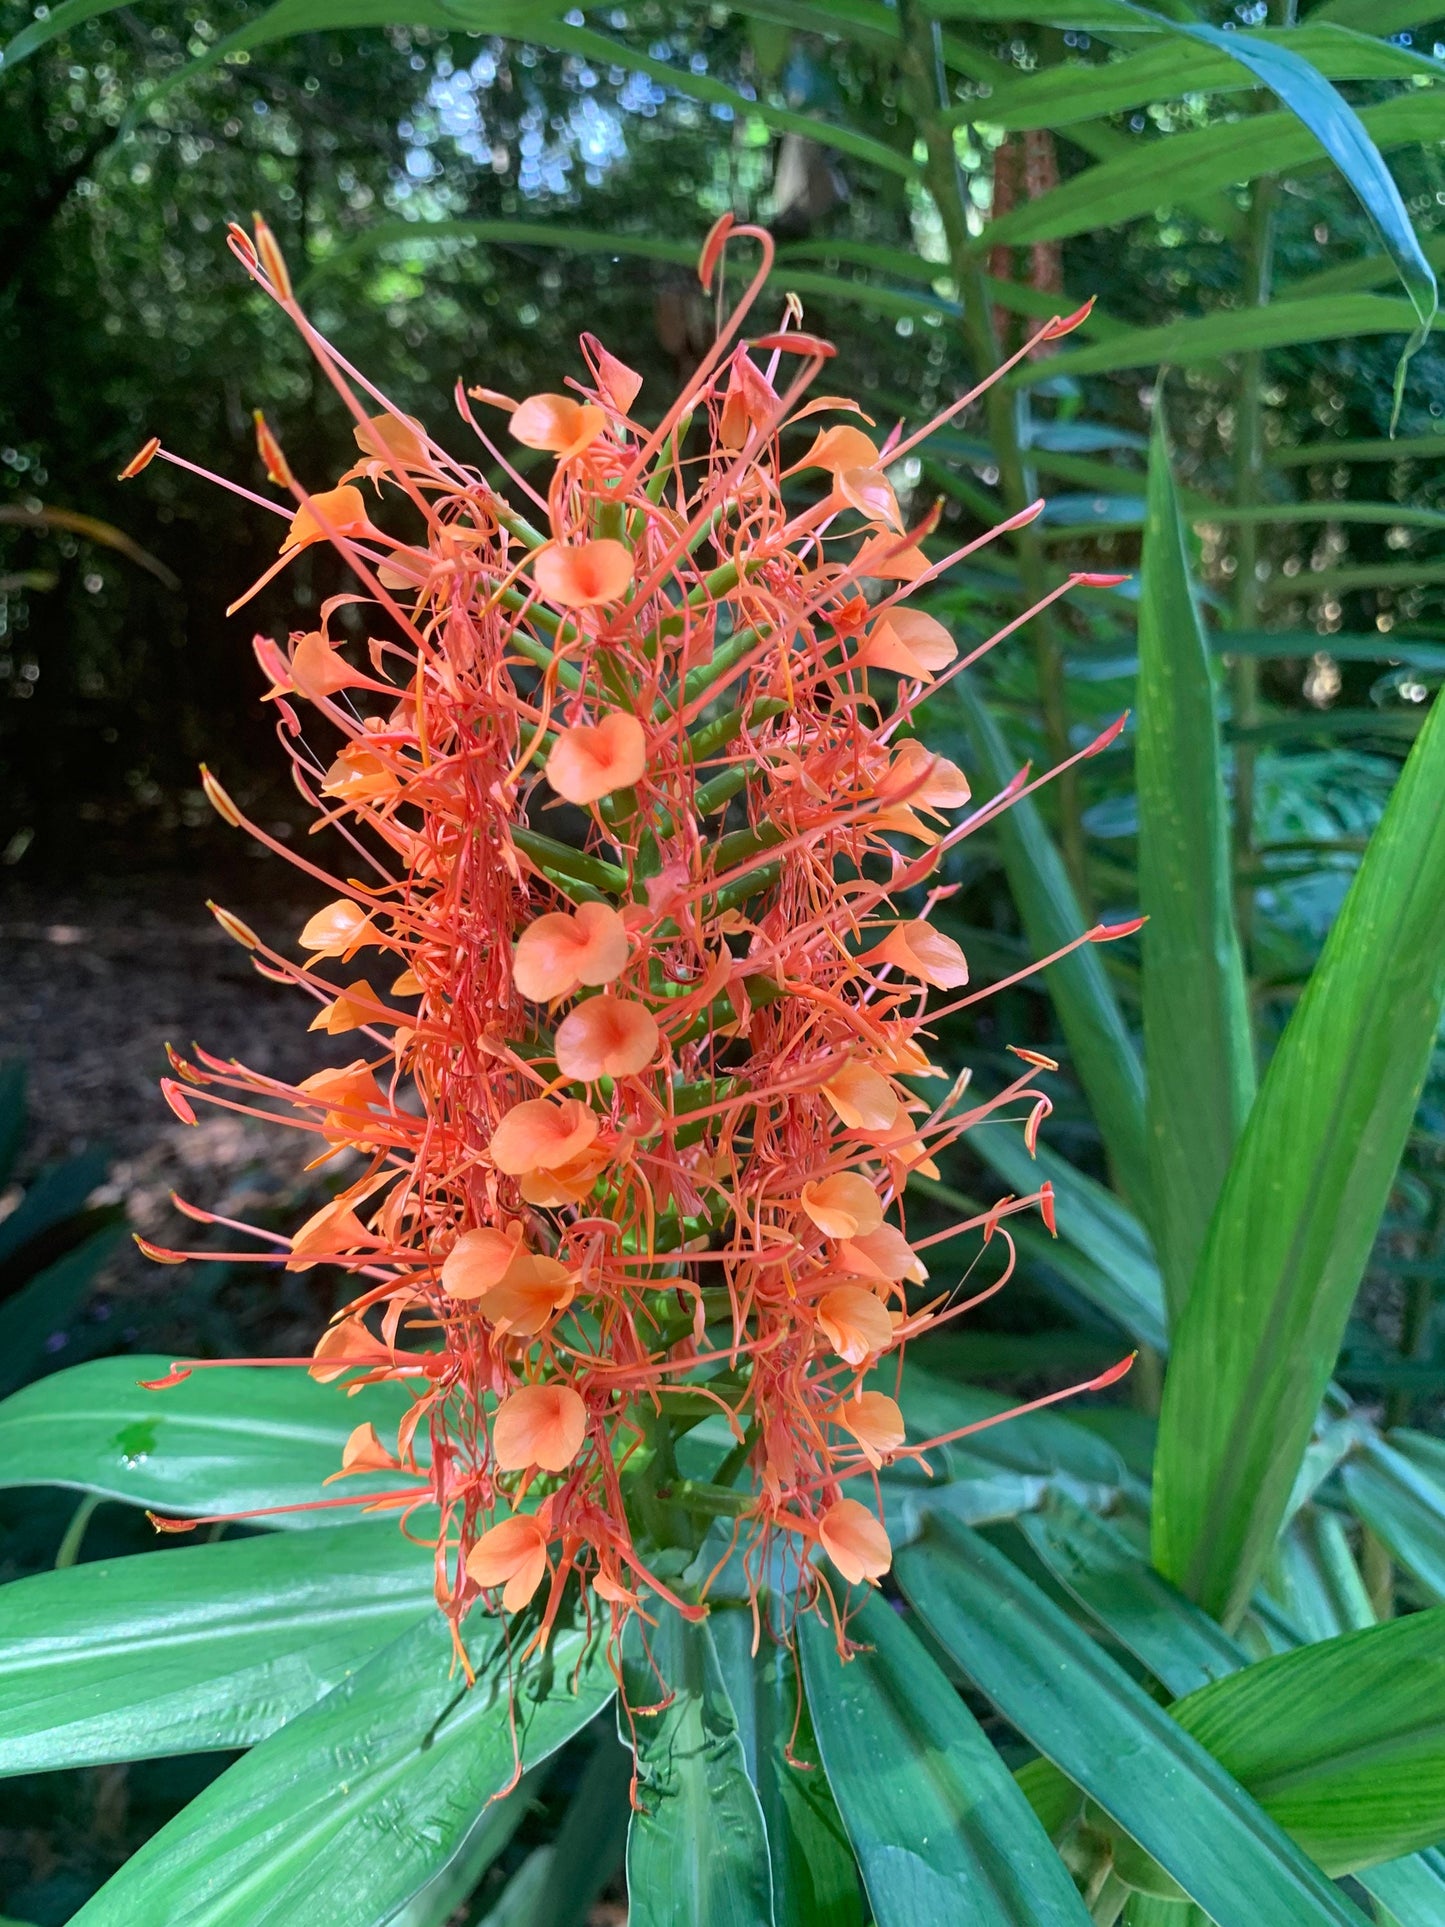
(177, 1375)
(1112, 1376)
(218, 799)
(172, 1525)
(272, 260)
(1065, 324)
(241, 241)
(1034, 1057)
(269, 449)
(797, 343)
(157, 1253)
(494, 398)
(1094, 579)
(1025, 516)
(712, 249)
(1106, 932)
(233, 926)
(141, 459)
(1111, 735)
(177, 1100)
(1046, 1208)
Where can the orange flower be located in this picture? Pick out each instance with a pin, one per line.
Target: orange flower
(843, 1206)
(541, 1426)
(341, 510)
(592, 760)
(855, 1542)
(606, 1037)
(584, 575)
(542, 1135)
(558, 423)
(910, 642)
(513, 1555)
(883, 1252)
(480, 1260)
(874, 1420)
(923, 952)
(862, 1098)
(339, 930)
(855, 1323)
(566, 949)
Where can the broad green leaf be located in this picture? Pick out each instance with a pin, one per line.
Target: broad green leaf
(1059, 95)
(940, 1829)
(346, 1812)
(1047, 1444)
(1184, 344)
(1100, 1047)
(1091, 1219)
(1293, 1228)
(1343, 1742)
(1166, 172)
(1181, 1646)
(1198, 1051)
(591, 1843)
(1148, 1910)
(697, 1849)
(198, 1649)
(437, 1902)
(1405, 1509)
(815, 1883)
(1082, 1711)
(47, 1304)
(232, 1439)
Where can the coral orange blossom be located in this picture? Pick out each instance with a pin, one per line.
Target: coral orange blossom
(631, 805)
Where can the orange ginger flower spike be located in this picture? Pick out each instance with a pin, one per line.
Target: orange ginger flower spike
(641, 1131)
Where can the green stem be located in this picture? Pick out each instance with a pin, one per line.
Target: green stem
(75, 1532)
(1004, 414)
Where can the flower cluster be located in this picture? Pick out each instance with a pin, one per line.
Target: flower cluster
(633, 937)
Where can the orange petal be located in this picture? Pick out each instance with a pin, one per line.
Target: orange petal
(842, 1206)
(480, 1260)
(340, 928)
(929, 781)
(594, 759)
(870, 492)
(350, 1341)
(565, 949)
(855, 1542)
(862, 1097)
(839, 448)
(921, 951)
(542, 1135)
(588, 573)
(855, 1323)
(909, 642)
(342, 509)
(881, 558)
(524, 1301)
(874, 1420)
(569, 1183)
(557, 423)
(511, 1554)
(364, 1452)
(606, 1037)
(392, 438)
(883, 1252)
(540, 1425)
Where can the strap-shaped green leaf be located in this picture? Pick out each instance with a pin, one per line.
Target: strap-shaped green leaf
(940, 1828)
(1413, 1890)
(197, 1649)
(346, 1812)
(49, 1302)
(697, 1849)
(1100, 1046)
(1198, 1052)
(226, 1440)
(1343, 1742)
(1293, 1228)
(1405, 1508)
(1060, 95)
(1066, 1696)
(815, 1881)
(1099, 1225)
(1185, 344)
(1112, 1580)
